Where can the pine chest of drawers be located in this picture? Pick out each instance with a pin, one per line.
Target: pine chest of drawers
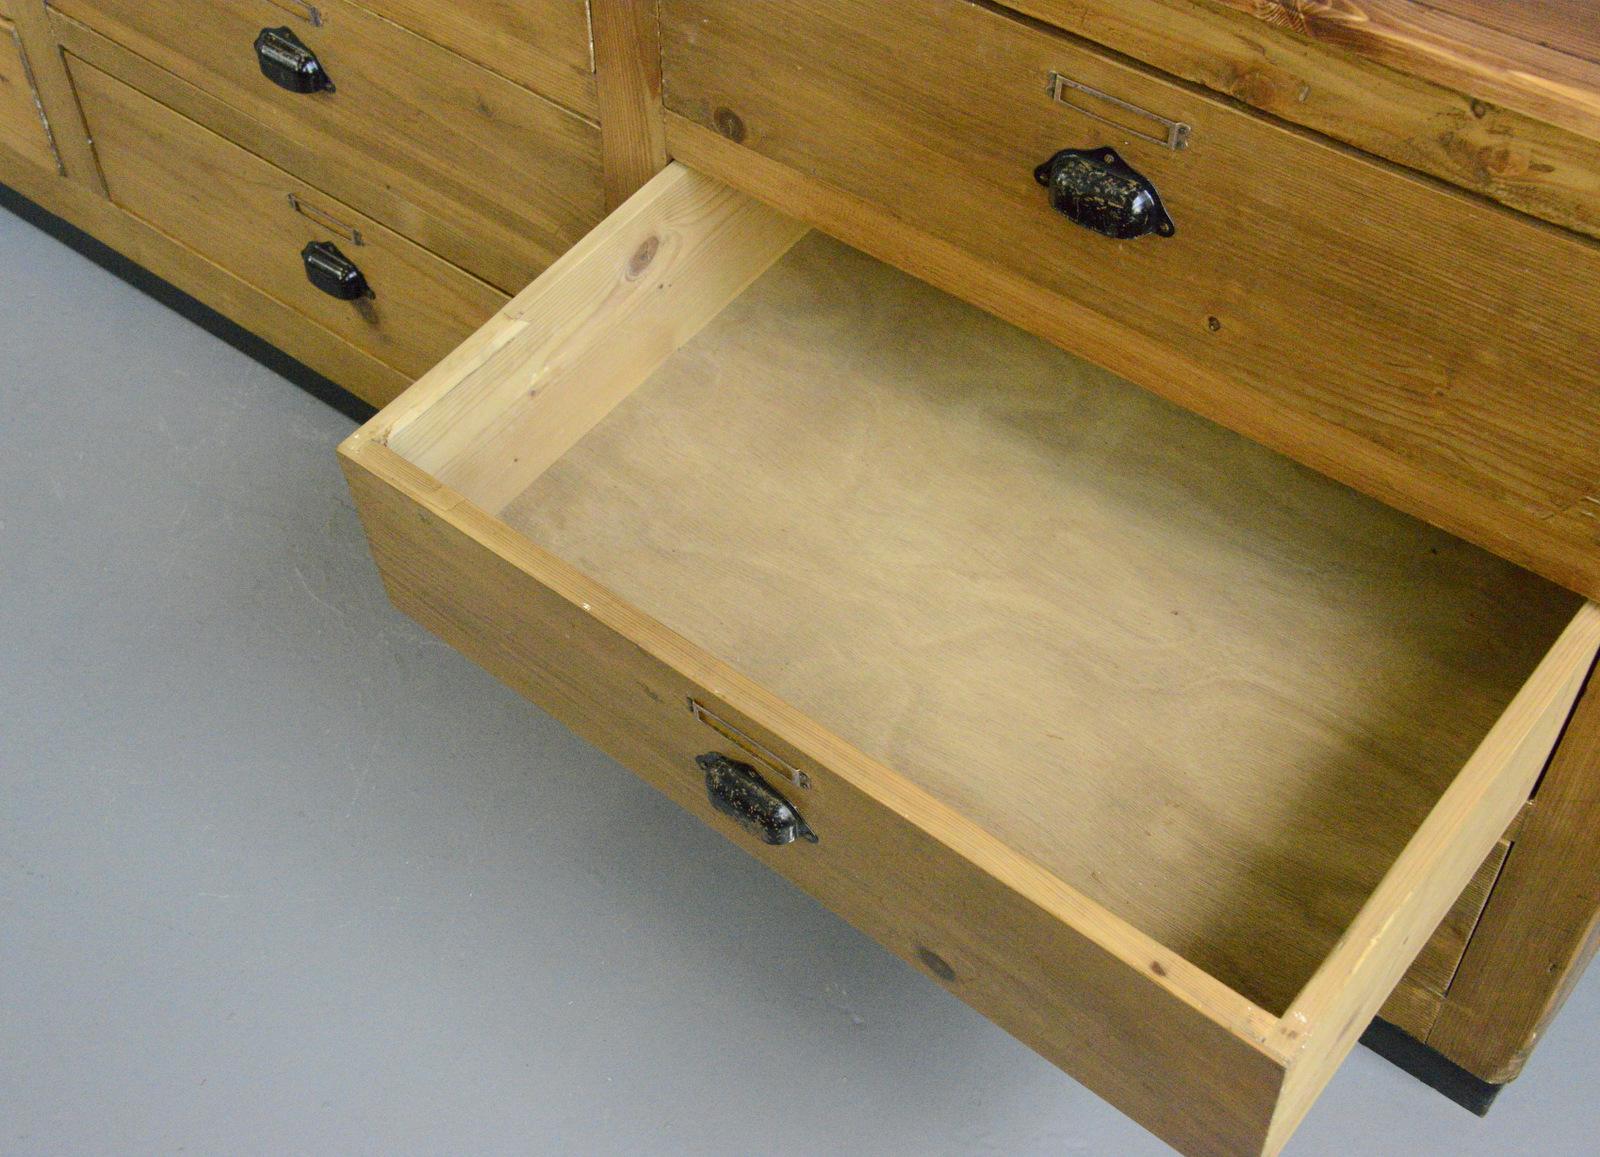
(1101, 496)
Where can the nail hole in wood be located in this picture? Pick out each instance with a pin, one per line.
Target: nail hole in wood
(936, 964)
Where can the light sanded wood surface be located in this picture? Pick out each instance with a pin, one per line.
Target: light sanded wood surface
(1542, 925)
(1414, 1004)
(1210, 689)
(1417, 893)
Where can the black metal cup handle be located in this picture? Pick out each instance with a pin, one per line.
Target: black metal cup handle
(1097, 189)
(737, 790)
(289, 64)
(334, 273)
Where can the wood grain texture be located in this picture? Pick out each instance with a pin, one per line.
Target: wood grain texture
(1330, 1014)
(24, 128)
(1416, 1000)
(236, 209)
(367, 192)
(1283, 319)
(1138, 648)
(56, 99)
(1415, 1003)
(1146, 1031)
(1539, 61)
(514, 174)
(234, 298)
(1541, 926)
(574, 344)
(627, 46)
(922, 873)
(541, 44)
(1525, 163)
(1569, 26)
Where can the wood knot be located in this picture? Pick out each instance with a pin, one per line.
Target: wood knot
(729, 123)
(643, 257)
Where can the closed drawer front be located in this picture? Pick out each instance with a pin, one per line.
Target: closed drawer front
(1161, 751)
(515, 178)
(256, 221)
(542, 44)
(22, 124)
(1430, 349)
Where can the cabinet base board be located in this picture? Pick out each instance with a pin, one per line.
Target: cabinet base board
(191, 308)
(1430, 1067)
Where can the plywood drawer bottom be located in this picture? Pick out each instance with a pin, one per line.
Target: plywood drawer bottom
(256, 221)
(1163, 752)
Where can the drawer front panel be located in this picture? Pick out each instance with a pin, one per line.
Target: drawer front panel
(543, 44)
(541, 629)
(1309, 297)
(255, 220)
(515, 173)
(22, 125)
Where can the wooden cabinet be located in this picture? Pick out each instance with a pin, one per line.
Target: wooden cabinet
(257, 221)
(1166, 752)
(1161, 751)
(463, 144)
(514, 177)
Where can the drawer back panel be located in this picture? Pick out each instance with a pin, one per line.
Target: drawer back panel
(1311, 297)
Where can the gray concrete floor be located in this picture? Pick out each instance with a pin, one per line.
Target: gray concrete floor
(279, 873)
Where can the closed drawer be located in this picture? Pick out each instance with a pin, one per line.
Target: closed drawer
(22, 125)
(502, 180)
(256, 221)
(1428, 348)
(543, 44)
(1162, 751)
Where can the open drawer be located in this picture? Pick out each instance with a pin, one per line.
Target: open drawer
(1165, 753)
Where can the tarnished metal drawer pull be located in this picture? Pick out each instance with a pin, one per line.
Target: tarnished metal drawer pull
(1097, 189)
(738, 791)
(289, 64)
